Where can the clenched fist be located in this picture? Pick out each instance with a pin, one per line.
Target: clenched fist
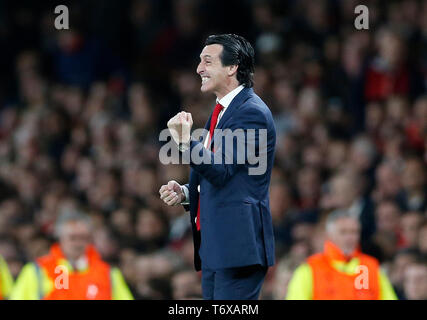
(180, 127)
(171, 193)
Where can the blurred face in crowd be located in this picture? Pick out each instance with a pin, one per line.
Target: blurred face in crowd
(362, 154)
(400, 263)
(105, 243)
(413, 175)
(318, 238)
(388, 180)
(422, 239)
(344, 191)
(345, 233)
(127, 263)
(397, 109)
(37, 247)
(85, 174)
(122, 222)
(187, 251)
(185, 285)
(308, 104)
(280, 201)
(374, 116)
(284, 93)
(312, 156)
(308, 183)
(280, 284)
(415, 282)
(388, 217)
(410, 223)
(420, 110)
(29, 186)
(10, 253)
(336, 154)
(149, 226)
(300, 250)
(390, 48)
(216, 78)
(143, 268)
(74, 238)
(146, 182)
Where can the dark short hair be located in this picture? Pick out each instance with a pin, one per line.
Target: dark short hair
(236, 51)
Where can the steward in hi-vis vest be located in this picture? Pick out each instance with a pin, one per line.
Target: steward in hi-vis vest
(341, 271)
(72, 270)
(6, 280)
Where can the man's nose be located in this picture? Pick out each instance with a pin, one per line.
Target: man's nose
(200, 68)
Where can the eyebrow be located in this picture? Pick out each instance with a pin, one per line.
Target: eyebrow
(206, 56)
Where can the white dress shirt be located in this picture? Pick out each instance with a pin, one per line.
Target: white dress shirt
(225, 101)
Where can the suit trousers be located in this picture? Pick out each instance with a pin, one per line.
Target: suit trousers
(240, 283)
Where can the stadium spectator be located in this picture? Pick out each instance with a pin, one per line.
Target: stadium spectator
(415, 281)
(334, 273)
(402, 259)
(411, 223)
(81, 275)
(388, 235)
(6, 280)
(81, 112)
(186, 285)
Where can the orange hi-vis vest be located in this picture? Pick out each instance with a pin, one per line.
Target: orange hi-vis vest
(331, 284)
(91, 284)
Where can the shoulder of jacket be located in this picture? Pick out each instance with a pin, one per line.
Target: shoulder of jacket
(44, 259)
(370, 259)
(315, 258)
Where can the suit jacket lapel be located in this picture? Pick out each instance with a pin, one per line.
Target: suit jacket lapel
(234, 105)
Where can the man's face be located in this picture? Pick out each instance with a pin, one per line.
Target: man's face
(422, 239)
(215, 76)
(413, 175)
(74, 239)
(410, 223)
(388, 181)
(345, 233)
(415, 282)
(185, 284)
(401, 262)
(343, 191)
(388, 217)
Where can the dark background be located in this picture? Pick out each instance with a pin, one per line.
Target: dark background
(81, 110)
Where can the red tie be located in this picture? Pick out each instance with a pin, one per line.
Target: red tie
(214, 120)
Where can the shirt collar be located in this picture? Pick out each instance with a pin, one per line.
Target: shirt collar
(332, 252)
(226, 100)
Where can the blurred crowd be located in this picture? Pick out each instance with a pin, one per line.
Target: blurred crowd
(81, 111)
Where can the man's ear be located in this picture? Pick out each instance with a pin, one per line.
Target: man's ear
(232, 70)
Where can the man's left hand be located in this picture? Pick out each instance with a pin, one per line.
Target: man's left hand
(180, 127)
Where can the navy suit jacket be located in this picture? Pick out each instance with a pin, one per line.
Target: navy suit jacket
(235, 219)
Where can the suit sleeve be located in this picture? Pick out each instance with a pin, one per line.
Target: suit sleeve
(218, 167)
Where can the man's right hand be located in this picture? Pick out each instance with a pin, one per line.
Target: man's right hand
(171, 193)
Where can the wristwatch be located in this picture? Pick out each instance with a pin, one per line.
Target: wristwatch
(184, 146)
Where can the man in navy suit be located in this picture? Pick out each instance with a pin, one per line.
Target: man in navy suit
(228, 193)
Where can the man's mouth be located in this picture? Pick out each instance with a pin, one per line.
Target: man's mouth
(204, 79)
